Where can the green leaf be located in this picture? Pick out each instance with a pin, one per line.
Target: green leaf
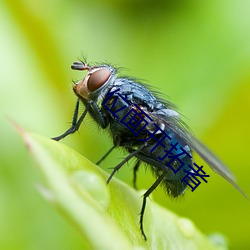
(107, 215)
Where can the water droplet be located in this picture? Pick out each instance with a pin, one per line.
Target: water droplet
(186, 226)
(94, 185)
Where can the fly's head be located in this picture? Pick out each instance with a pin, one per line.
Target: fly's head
(97, 77)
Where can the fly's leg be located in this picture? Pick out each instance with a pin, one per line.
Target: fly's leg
(105, 155)
(75, 124)
(145, 196)
(124, 161)
(97, 113)
(135, 169)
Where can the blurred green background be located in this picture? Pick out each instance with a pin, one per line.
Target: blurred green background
(195, 52)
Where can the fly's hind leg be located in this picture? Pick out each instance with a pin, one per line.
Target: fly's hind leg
(145, 196)
(135, 169)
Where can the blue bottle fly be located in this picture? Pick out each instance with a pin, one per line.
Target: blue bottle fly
(148, 127)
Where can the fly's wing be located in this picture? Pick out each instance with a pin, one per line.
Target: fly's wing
(213, 161)
(171, 120)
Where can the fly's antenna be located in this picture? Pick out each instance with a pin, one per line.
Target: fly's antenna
(80, 66)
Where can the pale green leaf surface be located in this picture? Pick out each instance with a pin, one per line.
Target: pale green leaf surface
(107, 216)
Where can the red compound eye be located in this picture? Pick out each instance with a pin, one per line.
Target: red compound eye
(97, 79)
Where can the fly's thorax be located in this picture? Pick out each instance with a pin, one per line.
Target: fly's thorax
(95, 84)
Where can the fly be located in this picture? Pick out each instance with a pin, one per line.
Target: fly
(148, 127)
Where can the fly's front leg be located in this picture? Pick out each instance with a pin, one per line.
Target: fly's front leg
(75, 123)
(97, 114)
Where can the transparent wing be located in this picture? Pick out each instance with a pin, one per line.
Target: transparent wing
(174, 123)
